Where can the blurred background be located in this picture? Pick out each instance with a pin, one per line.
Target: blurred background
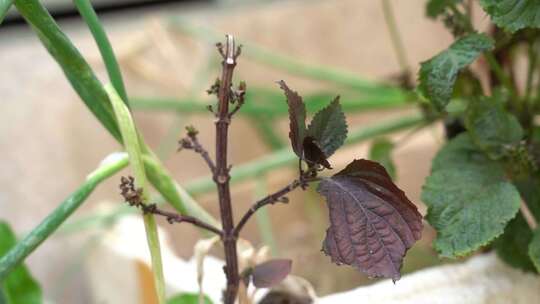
(50, 141)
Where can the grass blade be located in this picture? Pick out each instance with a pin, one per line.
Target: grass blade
(5, 5)
(131, 142)
(96, 28)
(76, 69)
(49, 225)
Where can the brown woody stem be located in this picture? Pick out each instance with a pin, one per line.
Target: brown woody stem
(270, 199)
(192, 143)
(178, 218)
(221, 174)
(528, 216)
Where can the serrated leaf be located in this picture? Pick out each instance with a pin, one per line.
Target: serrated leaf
(19, 287)
(513, 15)
(438, 75)
(534, 249)
(469, 202)
(513, 246)
(460, 152)
(381, 152)
(491, 127)
(297, 118)
(434, 8)
(329, 127)
(372, 222)
(313, 154)
(187, 298)
(271, 273)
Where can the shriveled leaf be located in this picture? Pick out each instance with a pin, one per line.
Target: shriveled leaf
(329, 127)
(187, 298)
(513, 15)
(381, 152)
(19, 287)
(297, 118)
(534, 249)
(469, 202)
(372, 222)
(438, 75)
(491, 127)
(434, 8)
(313, 154)
(271, 273)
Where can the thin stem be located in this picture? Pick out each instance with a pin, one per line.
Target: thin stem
(191, 142)
(48, 226)
(270, 199)
(98, 32)
(178, 218)
(533, 58)
(397, 43)
(130, 138)
(527, 215)
(221, 174)
(5, 5)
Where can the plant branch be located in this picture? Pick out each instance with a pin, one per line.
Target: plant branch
(134, 198)
(191, 142)
(229, 53)
(273, 198)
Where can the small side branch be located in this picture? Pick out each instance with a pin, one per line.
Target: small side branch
(134, 198)
(191, 142)
(278, 196)
(178, 218)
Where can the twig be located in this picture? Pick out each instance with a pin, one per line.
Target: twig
(527, 215)
(273, 198)
(134, 198)
(191, 142)
(178, 218)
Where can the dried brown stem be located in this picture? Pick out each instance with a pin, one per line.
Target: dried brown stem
(221, 175)
(178, 218)
(273, 198)
(191, 142)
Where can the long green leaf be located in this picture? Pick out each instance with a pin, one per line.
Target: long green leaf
(5, 5)
(19, 287)
(113, 70)
(76, 69)
(39, 234)
(131, 142)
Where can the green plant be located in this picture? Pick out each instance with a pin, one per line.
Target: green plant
(482, 191)
(483, 187)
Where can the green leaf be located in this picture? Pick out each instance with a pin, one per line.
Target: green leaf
(434, 8)
(469, 205)
(329, 127)
(512, 247)
(459, 153)
(534, 250)
(130, 138)
(513, 15)
(19, 287)
(381, 152)
(491, 127)
(77, 70)
(438, 75)
(187, 298)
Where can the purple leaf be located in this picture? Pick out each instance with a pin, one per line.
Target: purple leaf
(297, 118)
(271, 273)
(372, 222)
